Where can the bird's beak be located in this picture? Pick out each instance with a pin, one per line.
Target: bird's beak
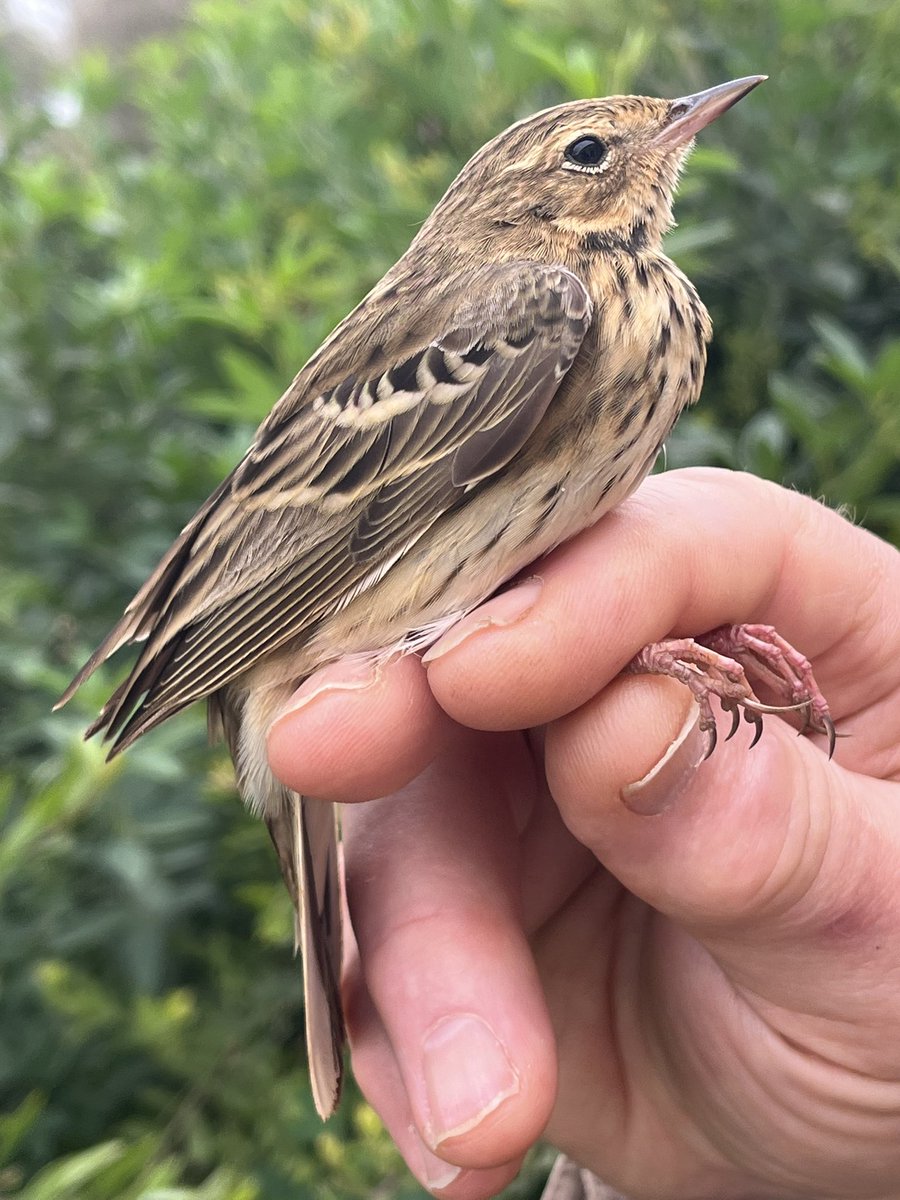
(690, 114)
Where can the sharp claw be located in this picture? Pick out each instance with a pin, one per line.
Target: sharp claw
(831, 733)
(717, 665)
(735, 723)
(757, 721)
(713, 738)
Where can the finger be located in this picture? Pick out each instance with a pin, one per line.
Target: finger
(690, 551)
(433, 895)
(781, 863)
(355, 730)
(376, 1071)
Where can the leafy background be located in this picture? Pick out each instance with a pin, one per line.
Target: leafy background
(179, 227)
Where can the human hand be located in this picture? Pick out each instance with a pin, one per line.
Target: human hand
(702, 1001)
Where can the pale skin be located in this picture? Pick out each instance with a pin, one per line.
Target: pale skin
(713, 1012)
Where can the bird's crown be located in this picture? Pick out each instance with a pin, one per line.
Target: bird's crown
(587, 169)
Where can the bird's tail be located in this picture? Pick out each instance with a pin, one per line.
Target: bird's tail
(304, 833)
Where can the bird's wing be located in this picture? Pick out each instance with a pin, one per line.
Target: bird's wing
(337, 488)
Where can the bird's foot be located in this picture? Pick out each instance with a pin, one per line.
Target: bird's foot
(719, 663)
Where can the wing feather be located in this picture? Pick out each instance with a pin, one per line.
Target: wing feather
(344, 481)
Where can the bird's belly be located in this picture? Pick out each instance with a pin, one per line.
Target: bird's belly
(467, 555)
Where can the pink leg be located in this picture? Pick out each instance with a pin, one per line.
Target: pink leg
(718, 663)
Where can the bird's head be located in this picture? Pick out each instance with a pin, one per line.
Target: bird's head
(579, 174)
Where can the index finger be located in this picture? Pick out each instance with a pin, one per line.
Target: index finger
(691, 550)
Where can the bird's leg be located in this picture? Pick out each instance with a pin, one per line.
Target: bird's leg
(773, 661)
(718, 664)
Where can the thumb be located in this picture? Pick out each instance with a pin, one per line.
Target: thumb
(781, 862)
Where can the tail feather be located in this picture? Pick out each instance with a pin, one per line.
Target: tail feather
(304, 833)
(305, 836)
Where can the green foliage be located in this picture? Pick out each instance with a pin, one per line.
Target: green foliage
(167, 261)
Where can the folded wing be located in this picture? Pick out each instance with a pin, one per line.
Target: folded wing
(340, 484)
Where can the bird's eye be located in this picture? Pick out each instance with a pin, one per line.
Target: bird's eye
(587, 152)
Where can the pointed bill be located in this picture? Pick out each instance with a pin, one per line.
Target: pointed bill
(689, 114)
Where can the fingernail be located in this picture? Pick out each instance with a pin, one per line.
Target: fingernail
(467, 1076)
(432, 1171)
(498, 613)
(668, 779)
(348, 675)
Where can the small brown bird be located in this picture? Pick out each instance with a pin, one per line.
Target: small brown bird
(508, 381)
